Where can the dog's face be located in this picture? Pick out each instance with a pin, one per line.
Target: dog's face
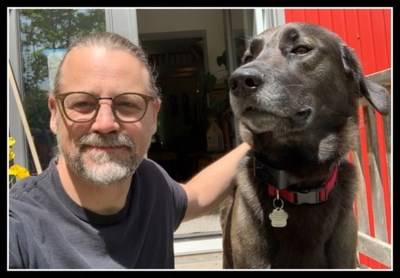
(298, 87)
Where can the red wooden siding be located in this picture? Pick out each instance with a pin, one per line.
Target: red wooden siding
(368, 32)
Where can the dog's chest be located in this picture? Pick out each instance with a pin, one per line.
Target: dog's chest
(306, 225)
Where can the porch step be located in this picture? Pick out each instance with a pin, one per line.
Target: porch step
(211, 260)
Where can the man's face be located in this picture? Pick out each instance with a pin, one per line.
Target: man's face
(104, 150)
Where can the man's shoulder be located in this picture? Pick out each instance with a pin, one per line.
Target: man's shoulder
(151, 167)
(164, 189)
(25, 200)
(28, 186)
(30, 217)
(147, 162)
(31, 195)
(151, 172)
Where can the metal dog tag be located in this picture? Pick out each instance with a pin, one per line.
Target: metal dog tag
(278, 218)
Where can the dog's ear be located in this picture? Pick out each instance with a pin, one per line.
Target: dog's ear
(377, 95)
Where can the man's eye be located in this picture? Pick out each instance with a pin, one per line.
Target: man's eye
(125, 105)
(83, 106)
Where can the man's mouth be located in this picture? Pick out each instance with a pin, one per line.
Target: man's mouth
(105, 148)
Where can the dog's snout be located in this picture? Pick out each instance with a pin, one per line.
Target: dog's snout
(245, 80)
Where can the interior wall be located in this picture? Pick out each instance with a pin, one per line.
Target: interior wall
(166, 20)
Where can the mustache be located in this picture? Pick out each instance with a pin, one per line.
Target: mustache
(106, 140)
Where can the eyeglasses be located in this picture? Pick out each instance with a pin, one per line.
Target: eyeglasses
(82, 107)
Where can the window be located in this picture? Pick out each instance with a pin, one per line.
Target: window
(44, 37)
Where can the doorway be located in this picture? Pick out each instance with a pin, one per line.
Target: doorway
(189, 51)
(179, 60)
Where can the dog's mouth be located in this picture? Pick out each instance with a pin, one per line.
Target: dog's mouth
(256, 111)
(260, 119)
(300, 116)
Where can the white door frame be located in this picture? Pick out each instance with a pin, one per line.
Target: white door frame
(123, 22)
(262, 19)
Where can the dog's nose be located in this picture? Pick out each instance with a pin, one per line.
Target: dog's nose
(244, 81)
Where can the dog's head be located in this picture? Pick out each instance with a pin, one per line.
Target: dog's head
(296, 93)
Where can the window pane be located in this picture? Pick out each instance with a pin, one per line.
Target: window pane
(45, 36)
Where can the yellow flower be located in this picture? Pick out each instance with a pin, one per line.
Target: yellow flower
(18, 171)
(11, 141)
(11, 155)
(15, 170)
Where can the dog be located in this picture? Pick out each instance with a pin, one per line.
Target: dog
(295, 99)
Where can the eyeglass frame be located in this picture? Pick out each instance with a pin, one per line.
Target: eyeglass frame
(60, 98)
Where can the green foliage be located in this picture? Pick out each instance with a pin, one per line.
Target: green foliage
(43, 29)
(55, 28)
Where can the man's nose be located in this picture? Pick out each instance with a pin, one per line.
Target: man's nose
(105, 121)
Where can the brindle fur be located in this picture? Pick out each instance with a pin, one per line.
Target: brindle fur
(328, 80)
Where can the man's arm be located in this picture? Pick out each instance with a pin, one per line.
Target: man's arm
(212, 184)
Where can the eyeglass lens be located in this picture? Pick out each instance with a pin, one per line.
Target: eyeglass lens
(82, 107)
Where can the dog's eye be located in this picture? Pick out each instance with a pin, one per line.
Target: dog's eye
(247, 58)
(301, 49)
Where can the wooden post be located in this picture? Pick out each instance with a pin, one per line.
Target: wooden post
(23, 119)
(376, 249)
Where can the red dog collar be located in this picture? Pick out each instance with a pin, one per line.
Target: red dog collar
(314, 196)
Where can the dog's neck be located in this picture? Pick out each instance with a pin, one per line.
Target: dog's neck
(297, 190)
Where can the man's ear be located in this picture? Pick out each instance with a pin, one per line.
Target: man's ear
(156, 109)
(377, 95)
(52, 104)
(157, 106)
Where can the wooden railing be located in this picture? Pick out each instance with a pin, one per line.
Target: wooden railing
(373, 205)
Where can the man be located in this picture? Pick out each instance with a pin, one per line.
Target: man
(101, 203)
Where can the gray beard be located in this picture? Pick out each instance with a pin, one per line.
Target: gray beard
(105, 169)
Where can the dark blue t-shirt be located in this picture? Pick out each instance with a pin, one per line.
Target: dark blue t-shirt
(49, 230)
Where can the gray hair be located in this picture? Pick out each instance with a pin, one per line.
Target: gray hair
(110, 41)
